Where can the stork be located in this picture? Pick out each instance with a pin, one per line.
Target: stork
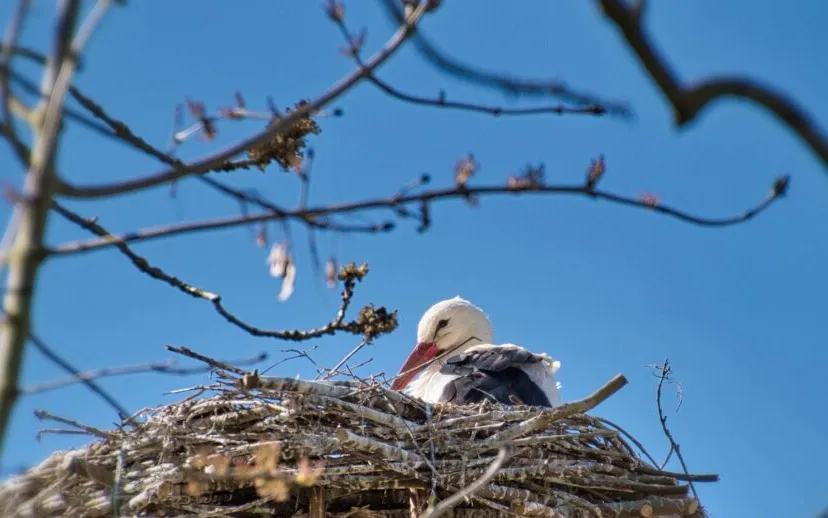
(457, 362)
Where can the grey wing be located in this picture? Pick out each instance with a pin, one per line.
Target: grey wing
(492, 374)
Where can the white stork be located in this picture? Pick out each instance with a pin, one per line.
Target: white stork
(458, 363)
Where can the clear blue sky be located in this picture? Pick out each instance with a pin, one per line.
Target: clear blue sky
(606, 289)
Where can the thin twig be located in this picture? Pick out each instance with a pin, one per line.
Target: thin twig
(216, 364)
(90, 383)
(43, 414)
(333, 370)
(665, 375)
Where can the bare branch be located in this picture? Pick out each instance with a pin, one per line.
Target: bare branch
(211, 162)
(90, 383)
(26, 254)
(442, 102)
(664, 374)
(508, 84)
(689, 101)
(6, 53)
(396, 202)
(350, 275)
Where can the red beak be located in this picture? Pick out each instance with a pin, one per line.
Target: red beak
(421, 355)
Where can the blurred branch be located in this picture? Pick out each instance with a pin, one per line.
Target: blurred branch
(399, 201)
(441, 102)
(26, 253)
(689, 101)
(6, 53)
(211, 162)
(90, 383)
(163, 367)
(503, 82)
(349, 274)
(68, 112)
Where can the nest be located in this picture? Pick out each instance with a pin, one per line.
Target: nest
(284, 447)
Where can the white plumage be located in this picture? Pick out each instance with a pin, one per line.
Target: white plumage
(457, 362)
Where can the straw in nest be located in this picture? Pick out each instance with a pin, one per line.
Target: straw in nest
(285, 447)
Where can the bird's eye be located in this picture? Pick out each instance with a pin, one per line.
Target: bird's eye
(442, 323)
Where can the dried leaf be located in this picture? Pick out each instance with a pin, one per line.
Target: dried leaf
(330, 272)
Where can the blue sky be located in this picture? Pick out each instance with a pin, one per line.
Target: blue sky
(606, 289)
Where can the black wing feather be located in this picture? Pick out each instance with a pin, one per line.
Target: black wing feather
(492, 374)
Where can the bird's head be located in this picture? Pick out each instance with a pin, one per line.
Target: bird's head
(445, 327)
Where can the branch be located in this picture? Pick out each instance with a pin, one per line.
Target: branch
(76, 376)
(468, 491)
(565, 410)
(122, 132)
(26, 254)
(441, 102)
(210, 162)
(397, 202)
(163, 367)
(497, 111)
(350, 275)
(505, 83)
(689, 101)
(6, 53)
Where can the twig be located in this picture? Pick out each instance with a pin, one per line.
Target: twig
(689, 101)
(210, 162)
(162, 367)
(55, 358)
(43, 414)
(333, 370)
(398, 201)
(468, 491)
(665, 372)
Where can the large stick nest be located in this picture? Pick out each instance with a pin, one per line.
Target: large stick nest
(257, 447)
